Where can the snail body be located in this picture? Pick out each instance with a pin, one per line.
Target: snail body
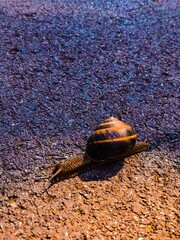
(112, 140)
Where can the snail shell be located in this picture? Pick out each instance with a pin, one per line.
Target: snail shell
(112, 139)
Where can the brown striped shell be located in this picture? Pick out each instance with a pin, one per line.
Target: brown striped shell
(111, 139)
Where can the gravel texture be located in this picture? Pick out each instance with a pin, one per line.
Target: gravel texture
(64, 67)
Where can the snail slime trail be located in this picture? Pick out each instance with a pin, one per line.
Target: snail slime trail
(112, 140)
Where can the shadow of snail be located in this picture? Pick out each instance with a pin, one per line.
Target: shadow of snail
(111, 141)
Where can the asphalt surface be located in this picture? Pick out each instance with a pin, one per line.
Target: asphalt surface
(65, 66)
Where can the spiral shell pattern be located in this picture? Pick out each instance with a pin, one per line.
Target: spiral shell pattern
(112, 139)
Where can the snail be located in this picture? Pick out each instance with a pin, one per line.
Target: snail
(112, 140)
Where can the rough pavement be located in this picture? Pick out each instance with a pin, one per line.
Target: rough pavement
(65, 67)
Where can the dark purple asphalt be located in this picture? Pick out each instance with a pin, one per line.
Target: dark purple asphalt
(68, 65)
